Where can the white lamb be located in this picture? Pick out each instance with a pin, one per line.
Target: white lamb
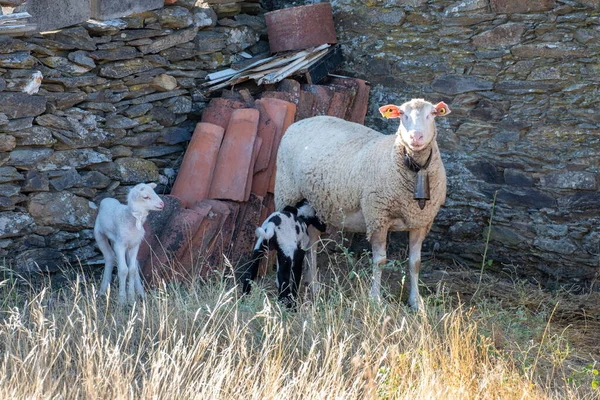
(123, 227)
(360, 180)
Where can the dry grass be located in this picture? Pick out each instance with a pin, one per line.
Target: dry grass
(202, 341)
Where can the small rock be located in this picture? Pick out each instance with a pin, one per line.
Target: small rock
(108, 27)
(121, 69)
(136, 170)
(64, 65)
(82, 58)
(39, 260)
(137, 111)
(61, 180)
(20, 105)
(204, 17)
(9, 174)
(164, 83)
(27, 158)
(456, 84)
(35, 181)
(17, 60)
(14, 224)
(77, 158)
(570, 180)
(179, 105)
(63, 210)
(94, 180)
(7, 142)
(174, 17)
(120, 122)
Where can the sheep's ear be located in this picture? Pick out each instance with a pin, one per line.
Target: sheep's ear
(441, 109)
(390, 111)
(152, 185)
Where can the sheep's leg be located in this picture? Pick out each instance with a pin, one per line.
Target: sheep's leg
(297, 271)
(139, 286)
(109, 260)
(379, 249)
(122, 271)
(311, 272)
(416, 238)
(132, 273)
(284, 284)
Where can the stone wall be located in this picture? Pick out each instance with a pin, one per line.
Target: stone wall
(521, 78)
(117, 105)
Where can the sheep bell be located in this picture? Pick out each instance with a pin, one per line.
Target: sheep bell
(422, 188)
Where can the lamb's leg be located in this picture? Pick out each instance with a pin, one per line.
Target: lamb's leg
(122, 271)
(109, 260)
(284, 283)
(416, 238)
(132, 273)
(139, 287)
(379, 249)
(311, 272)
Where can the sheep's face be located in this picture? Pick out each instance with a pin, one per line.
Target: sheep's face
(417, 121)
(142, 196)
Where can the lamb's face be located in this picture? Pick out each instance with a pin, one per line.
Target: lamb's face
(417, 121)
(144, 197)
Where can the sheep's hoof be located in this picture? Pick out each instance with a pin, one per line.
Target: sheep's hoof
(416, 303)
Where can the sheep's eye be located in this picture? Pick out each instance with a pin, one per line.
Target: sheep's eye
(147, 197)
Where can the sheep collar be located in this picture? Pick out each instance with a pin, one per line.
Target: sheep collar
(421, 193)
(411, 164)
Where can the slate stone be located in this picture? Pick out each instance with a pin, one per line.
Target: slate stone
(20, 105)
(500, 36)
(53, 121)
(580, 180)
(8, 142)
(560, 246)
(9, 45)
(176, 134)
(121, 53)
(135, 170)
(581, 201)
(9, 174)
(521, 7)
(35, 181)
(76, 37)
(505, 235)
(139, 140)
(108, 27)
(210, 41)
(6, 204)
(120, 122)
(517, 178)
(76, 158)
(49, 15)
(136, 34)
(62, 101)
(524, 197)
(78, 81)
(179, 105)
(9, 190)
(204, 17)
(137, 111)
(82, 58)
(456, 84)
(175, 17)
(181, 36)
(121, 69)
(156, 151)
(14, 224)
(163, 116)
(110, 9)
(15, 125)
(61, 180)
(525, 87)
(93, 179)
(62, 210)
(548, 50)
(17, 60)
(27, 158)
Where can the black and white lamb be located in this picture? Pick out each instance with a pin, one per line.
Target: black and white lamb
(286, 232)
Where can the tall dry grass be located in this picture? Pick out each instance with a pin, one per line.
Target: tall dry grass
(201, 341)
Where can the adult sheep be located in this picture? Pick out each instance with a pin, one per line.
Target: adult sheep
(360, 180)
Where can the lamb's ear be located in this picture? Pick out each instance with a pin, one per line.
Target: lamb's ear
(390, 111)
(152, 185)
(441, 109)
(133, 195)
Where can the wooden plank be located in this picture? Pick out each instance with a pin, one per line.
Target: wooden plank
(11, 3)
(293, 67)
(320, 69)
